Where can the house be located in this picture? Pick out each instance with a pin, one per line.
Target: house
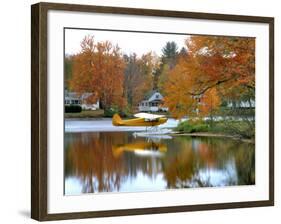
(152, 103)
(250, 104)
(73, 98)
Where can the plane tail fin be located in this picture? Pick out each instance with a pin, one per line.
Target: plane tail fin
(116, 120)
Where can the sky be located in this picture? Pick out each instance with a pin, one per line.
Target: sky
(129, 42)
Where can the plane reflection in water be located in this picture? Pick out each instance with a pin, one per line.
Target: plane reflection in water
(145, 148)
(120, 162)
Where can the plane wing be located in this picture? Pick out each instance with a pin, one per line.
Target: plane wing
(148, 116)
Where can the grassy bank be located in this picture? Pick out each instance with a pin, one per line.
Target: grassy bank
(86, 114)
(102, 113)
(238, 129)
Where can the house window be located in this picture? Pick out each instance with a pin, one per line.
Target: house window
(75, 102)
(156, 96)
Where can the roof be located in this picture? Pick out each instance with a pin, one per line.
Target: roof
(149, 94)
(152, 95)
(75, 95)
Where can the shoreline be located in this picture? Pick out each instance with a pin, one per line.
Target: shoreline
(174, 133)
(86, 118)
(209, 134)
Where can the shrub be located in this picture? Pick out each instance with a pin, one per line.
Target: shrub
(242, 128)
(124, 112)
(191, 127)
(110, 112)
(201, 128)
(72, 109)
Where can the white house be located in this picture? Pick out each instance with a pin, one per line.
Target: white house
(242, 104)
(152, 103)
(73, 98)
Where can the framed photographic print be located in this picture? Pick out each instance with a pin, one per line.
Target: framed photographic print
(139, 111)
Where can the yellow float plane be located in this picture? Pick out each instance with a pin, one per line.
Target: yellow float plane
(142, 119)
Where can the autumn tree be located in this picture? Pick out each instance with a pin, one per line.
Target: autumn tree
(214, 68)
(99, 69)
(138, 76)
(209, 103)
(68, 64)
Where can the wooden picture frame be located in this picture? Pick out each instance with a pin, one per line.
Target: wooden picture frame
(39, 109)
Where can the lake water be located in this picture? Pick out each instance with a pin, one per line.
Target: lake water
(119, 161)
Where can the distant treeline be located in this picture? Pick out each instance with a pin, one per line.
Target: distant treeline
(195, 80)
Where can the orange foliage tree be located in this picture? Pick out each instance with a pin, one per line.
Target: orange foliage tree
(209, 102)
(214, 68)
(99, 69)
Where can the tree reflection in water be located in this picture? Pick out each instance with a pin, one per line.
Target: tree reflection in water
(105, 161)
(89, 157)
